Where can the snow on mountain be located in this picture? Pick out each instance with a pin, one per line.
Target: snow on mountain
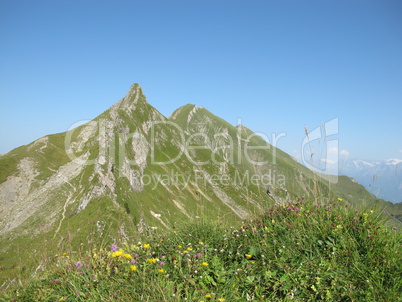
(381, 178)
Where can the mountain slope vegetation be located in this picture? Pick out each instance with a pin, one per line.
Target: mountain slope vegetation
(132, 170)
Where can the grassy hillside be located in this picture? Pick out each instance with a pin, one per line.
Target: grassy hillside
(299, 251)
(132, 170)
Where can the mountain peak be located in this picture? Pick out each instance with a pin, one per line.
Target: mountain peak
(133, 96)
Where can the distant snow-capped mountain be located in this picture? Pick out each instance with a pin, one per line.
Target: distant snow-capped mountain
(381, 178)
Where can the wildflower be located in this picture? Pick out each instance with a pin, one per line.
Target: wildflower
(118, 253)
(128, 256)
(133, 268)
(248, 256)
(147, 246)
(161, 271)
(339, 227)
(133, 261)
(313, 288)
(395, 228)
(340, 199)
(152, 260)
(198, 255)
(162, 264)
(205, 264)
(221, 299)
(64, 254)
(78, 264)
(114, 247)
(208, 296)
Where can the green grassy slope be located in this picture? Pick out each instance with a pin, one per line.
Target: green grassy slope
(140, 172)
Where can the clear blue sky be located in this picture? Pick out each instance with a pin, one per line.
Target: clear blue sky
(277, 65)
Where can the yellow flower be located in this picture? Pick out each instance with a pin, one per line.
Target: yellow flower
(340, 199)
(339, 227)
(133, 268)
(204, 264)
(175, 261)
(208, 296)
(180, 247)
(147, 246)
(313, 288)
(248, 256)
(221, 299)
(152, 260)
(64, 254)
(128, 256)
(161, 270)
(61, 299)
(118, 253)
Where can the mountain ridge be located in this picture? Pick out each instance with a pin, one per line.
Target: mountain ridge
(131, 169)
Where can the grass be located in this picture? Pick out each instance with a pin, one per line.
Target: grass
(299, 251)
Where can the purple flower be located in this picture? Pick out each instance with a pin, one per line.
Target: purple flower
(312, 214)
(198, 256)
(356, 211)
(133, 261)
(395, 228)
(114, 247)
(162, 264)
(78, 264)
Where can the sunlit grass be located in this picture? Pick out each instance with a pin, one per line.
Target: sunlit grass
(299, 251)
